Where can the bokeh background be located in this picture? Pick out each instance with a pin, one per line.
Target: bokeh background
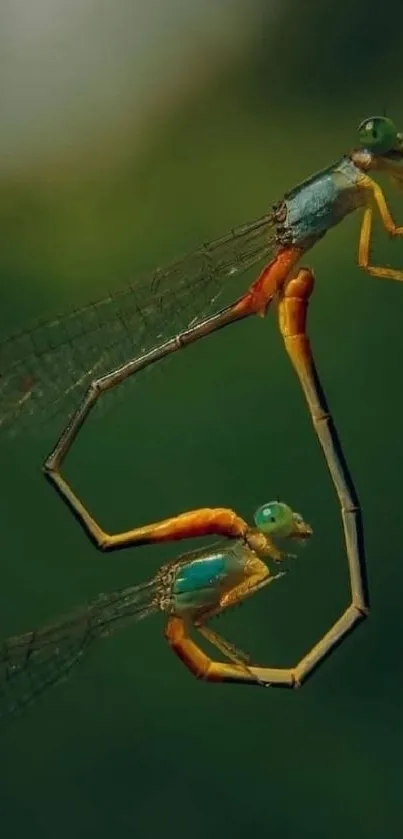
(130, 133)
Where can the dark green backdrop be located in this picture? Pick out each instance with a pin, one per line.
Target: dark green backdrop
(132, 745)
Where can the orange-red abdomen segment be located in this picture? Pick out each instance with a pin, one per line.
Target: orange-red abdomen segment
(269, 282)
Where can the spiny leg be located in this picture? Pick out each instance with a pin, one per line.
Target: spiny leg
(225, 647)
(197, 522)
(257, 575)
(235, 655)
(364, 247)
(380, 200)
(204, 667)
(292, 317)
(250, 586)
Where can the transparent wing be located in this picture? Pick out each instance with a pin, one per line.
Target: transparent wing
(31, 663)
(46, 369)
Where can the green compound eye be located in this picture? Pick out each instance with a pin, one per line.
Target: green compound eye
(378, 134)
(275, 518)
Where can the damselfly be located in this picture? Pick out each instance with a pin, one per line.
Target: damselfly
(190, 590)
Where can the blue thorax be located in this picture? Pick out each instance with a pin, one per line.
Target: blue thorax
(322, 201)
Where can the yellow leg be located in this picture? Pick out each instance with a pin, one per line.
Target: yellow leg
(366, 230)
(200, 664)
(260, 579)
(257, 576)
(235, 655)
(383, 208)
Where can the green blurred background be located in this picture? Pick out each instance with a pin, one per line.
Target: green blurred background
(245, 100)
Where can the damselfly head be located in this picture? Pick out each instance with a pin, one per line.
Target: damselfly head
(279, 521)
(379, 136)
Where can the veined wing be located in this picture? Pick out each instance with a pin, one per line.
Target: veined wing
(31, 663)
(46, 369)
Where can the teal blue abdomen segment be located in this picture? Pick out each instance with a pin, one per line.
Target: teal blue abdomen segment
(323, 201)
(200, 582)
(200, 573)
